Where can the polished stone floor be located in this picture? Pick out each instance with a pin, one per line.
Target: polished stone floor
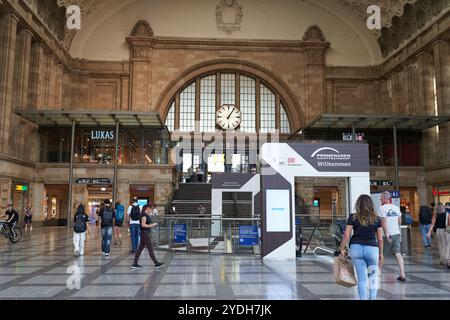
(39, 268)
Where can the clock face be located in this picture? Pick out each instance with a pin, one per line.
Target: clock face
(229, 117)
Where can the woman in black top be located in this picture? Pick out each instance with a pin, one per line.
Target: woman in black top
(366, 245)
(146, 242)
(439, 224)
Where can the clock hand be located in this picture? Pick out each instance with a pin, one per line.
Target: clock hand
(230, 114)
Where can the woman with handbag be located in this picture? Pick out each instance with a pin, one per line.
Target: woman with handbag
(440, 224)
(366, 246)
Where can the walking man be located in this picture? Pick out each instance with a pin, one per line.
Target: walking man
(134, 213)
(392, 218)
(146, 224)
(12, 218)
(107, 221)
(425, 217)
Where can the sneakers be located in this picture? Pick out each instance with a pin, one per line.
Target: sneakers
(76, 253)
(159, 265)
(135, 266)
(107, 254)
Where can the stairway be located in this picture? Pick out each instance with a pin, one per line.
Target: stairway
(189, 196)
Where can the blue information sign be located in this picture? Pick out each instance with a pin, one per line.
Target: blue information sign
(248, 235)
(179, 233)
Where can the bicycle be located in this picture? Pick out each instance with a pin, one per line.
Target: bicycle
(14, 235)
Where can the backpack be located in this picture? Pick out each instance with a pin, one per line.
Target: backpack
(119, 213)
(408, 219)
(107, 217)
(135, 213)
(80, 224)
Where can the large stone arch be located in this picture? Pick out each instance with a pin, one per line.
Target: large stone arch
(292, 106)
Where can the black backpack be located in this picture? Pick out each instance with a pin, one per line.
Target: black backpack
(107, 217)
(80, 224)
(135, 213)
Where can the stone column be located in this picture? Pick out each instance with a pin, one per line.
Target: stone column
(47, 88)
(425, 77)
(38, 202)
(80, 195)
(162, 191)
(37, 76)
(342, 201)
(19, 129)
(315, 48)
(305, 190)
(22, 69)
(442, 74)
(123, 192)
(59, 86)
(422, 191)
(140, 41)
(5, 193)
(8, 30)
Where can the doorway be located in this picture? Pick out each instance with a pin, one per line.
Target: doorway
(55, 204)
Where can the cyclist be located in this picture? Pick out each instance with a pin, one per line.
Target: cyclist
(12, 218)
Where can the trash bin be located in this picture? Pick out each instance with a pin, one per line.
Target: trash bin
(406, 240)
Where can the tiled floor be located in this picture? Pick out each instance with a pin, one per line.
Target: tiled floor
(37, 268)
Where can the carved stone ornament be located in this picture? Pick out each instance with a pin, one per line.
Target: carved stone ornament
(229, 27)
(314, 33)
(142, 29)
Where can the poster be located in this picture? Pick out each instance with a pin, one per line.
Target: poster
(278, 210)
(248, 235)
(179, 233)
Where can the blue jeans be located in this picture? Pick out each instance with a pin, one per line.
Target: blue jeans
(107, 233)
(365, 260)
(424, 229)
(134, 232)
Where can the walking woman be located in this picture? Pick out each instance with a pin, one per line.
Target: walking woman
(366, 246)
(146, 242)
(439, 224)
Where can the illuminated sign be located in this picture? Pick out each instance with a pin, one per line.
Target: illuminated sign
(93, 181)
(21, 188)
(102, 135)
(349, 137)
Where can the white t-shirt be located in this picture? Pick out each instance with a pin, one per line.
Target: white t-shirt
(392, 213)
(129, 212)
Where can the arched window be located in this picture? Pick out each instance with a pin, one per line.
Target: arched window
(261, 108)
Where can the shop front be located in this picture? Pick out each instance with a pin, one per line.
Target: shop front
(89, 158)
(395, 153)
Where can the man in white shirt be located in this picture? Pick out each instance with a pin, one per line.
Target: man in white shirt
(134, 214)
(392, 218)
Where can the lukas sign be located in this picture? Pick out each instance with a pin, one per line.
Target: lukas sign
(102, 135)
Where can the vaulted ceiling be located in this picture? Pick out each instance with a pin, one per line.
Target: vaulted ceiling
(396, 27)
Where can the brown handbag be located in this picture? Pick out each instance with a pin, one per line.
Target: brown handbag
(344, 273)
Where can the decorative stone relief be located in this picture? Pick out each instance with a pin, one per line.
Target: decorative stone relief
(87, 7)
(142, 29)
(232, 8)
(314, 33)
(416, 16)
